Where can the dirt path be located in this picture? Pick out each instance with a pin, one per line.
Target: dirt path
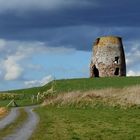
(9, 118)
(27, 128)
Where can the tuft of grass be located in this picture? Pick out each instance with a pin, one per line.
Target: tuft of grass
(14, 125)
(124, 97)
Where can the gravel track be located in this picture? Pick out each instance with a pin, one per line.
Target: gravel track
(13, 114)
(26, 130)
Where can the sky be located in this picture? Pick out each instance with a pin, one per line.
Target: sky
(42, 40)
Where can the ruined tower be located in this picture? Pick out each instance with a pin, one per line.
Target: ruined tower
(108, 57)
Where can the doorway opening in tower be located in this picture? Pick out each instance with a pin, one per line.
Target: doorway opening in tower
(95, 71)
(116, 71)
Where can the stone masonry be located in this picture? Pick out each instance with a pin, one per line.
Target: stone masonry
(108, 57)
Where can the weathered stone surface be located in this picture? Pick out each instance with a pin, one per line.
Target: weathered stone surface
(108, 57)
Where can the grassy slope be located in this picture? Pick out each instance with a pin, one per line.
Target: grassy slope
(95, 83)
(68, 85)
(100, 123)
(83, 84)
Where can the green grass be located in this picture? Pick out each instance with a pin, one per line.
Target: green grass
(68, 85)
(20, 103)
(95, 83)
(14, 125)
(99, 123)
(4, 102)
(82, 84)
(102, 122)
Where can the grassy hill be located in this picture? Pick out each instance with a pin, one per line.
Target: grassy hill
(83, 84)
(87, 109)
(92, 109)
(23, 96)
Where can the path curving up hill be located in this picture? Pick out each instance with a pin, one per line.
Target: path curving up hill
(26, 130)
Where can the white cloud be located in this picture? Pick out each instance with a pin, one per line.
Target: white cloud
(15, 54)
(132, 58)
(133, 54)
(11, 68)
(41, 82)
(133, 73)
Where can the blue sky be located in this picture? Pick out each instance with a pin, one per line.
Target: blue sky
(45, 39)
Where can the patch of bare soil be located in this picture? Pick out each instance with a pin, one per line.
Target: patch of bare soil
(3, 112)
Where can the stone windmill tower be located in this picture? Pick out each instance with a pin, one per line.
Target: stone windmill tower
(108, 57)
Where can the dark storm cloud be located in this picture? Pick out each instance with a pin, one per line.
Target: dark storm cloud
(75, 24)
(107, 13)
